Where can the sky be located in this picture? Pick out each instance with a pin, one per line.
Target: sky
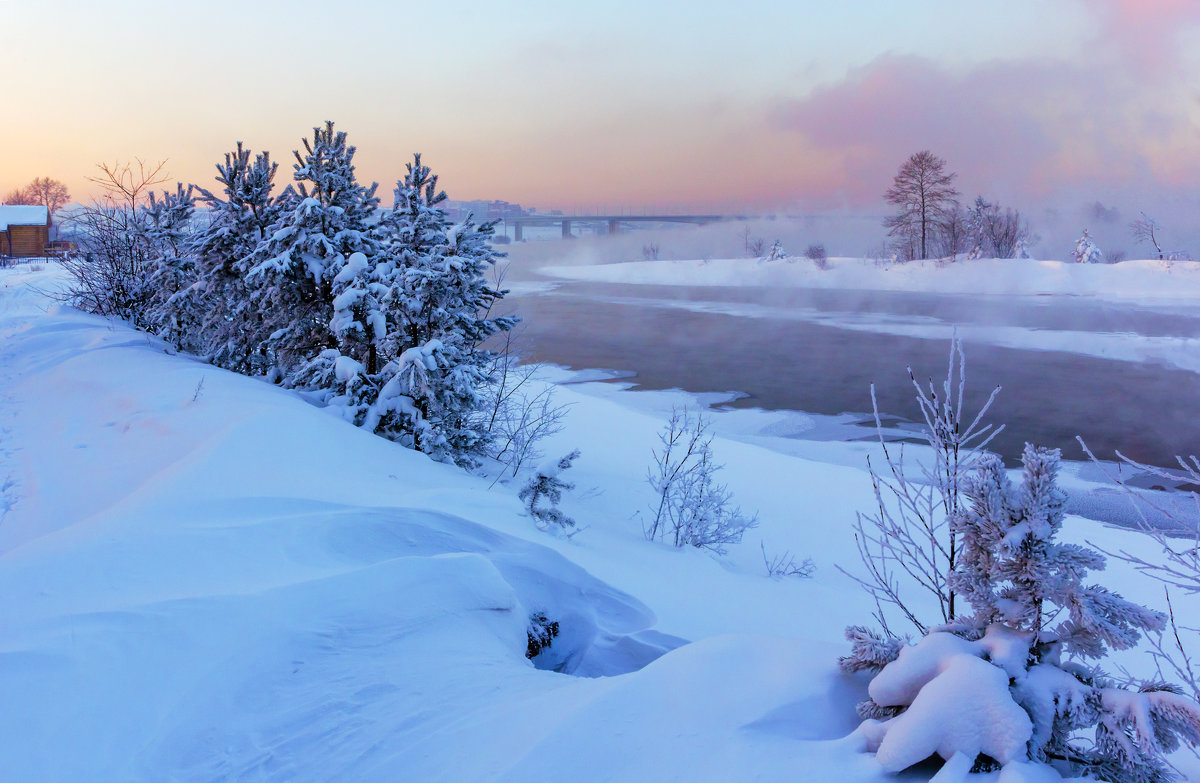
(629, 105)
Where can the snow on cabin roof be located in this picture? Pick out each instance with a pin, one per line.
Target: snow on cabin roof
(22, 216)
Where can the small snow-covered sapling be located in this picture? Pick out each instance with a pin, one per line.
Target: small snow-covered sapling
(544, 492)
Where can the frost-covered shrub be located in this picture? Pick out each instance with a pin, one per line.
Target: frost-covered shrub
(1162, 516)
(540, 634)
(519, 411)
(692, 509)
(816, 254)
(1086, 252)
(544, 491)
(785, 564)
(906, 545)
(110, 275)
(998, 684)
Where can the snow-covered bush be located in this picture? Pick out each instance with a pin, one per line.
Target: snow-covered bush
(110, 275)
(1003, 684)
(995, 232)
(692, 509)
(785, 564)
(1086, 252)
(816, 254)
(543, 493)
(520, 412)
(164, 225)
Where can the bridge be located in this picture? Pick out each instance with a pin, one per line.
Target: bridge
(612, 221)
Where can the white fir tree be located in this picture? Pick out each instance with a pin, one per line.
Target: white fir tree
(1086, 252)
(437, 317)
(291, 273)
(164, 226)
(776, 253)
(543, 492)
(240, 218)
(995, 687)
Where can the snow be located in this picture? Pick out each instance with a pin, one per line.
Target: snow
(355, 265)
(966, 709)
(208, 578)
(22, 215)
(1125, 281)
(902, 680)
(244, 587)
(1025, 772)
(1007, 649)
(348, 298)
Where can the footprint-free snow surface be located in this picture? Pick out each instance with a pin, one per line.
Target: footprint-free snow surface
(205, 578)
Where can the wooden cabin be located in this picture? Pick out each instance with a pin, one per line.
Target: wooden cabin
(24, 231)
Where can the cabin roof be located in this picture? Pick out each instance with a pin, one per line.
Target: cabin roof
(22, 215)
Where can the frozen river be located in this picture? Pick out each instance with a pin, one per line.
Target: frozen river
(818, 351)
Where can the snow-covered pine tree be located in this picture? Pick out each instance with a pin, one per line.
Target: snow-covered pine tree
(975, 230)
(776, 253)
(543, 493)
(1086, 252)
(437, 317)
(1012, 570)
(240, 218)
(291, 273)
(993, 686)
(348, 375)
(164, 227)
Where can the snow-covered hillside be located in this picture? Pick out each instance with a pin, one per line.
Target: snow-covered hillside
(206, 578)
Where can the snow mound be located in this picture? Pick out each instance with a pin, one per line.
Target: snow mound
(966, 709)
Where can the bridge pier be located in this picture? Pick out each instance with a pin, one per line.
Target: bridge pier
(566, 229)
(614, 226)
(517, 232)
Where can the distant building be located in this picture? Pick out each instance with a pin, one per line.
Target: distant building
(484, 210)
(24, 231)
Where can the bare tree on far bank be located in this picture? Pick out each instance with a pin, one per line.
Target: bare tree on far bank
(924, 194)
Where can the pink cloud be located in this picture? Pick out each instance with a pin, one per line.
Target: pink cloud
(1011, 130)
(1146, 31)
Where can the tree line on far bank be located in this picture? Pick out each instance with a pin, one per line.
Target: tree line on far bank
(931, 222)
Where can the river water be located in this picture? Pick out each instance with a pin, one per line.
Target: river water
(819, 351)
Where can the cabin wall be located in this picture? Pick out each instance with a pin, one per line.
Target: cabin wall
(27, 241)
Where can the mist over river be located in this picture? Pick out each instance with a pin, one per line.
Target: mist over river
(819, 351)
